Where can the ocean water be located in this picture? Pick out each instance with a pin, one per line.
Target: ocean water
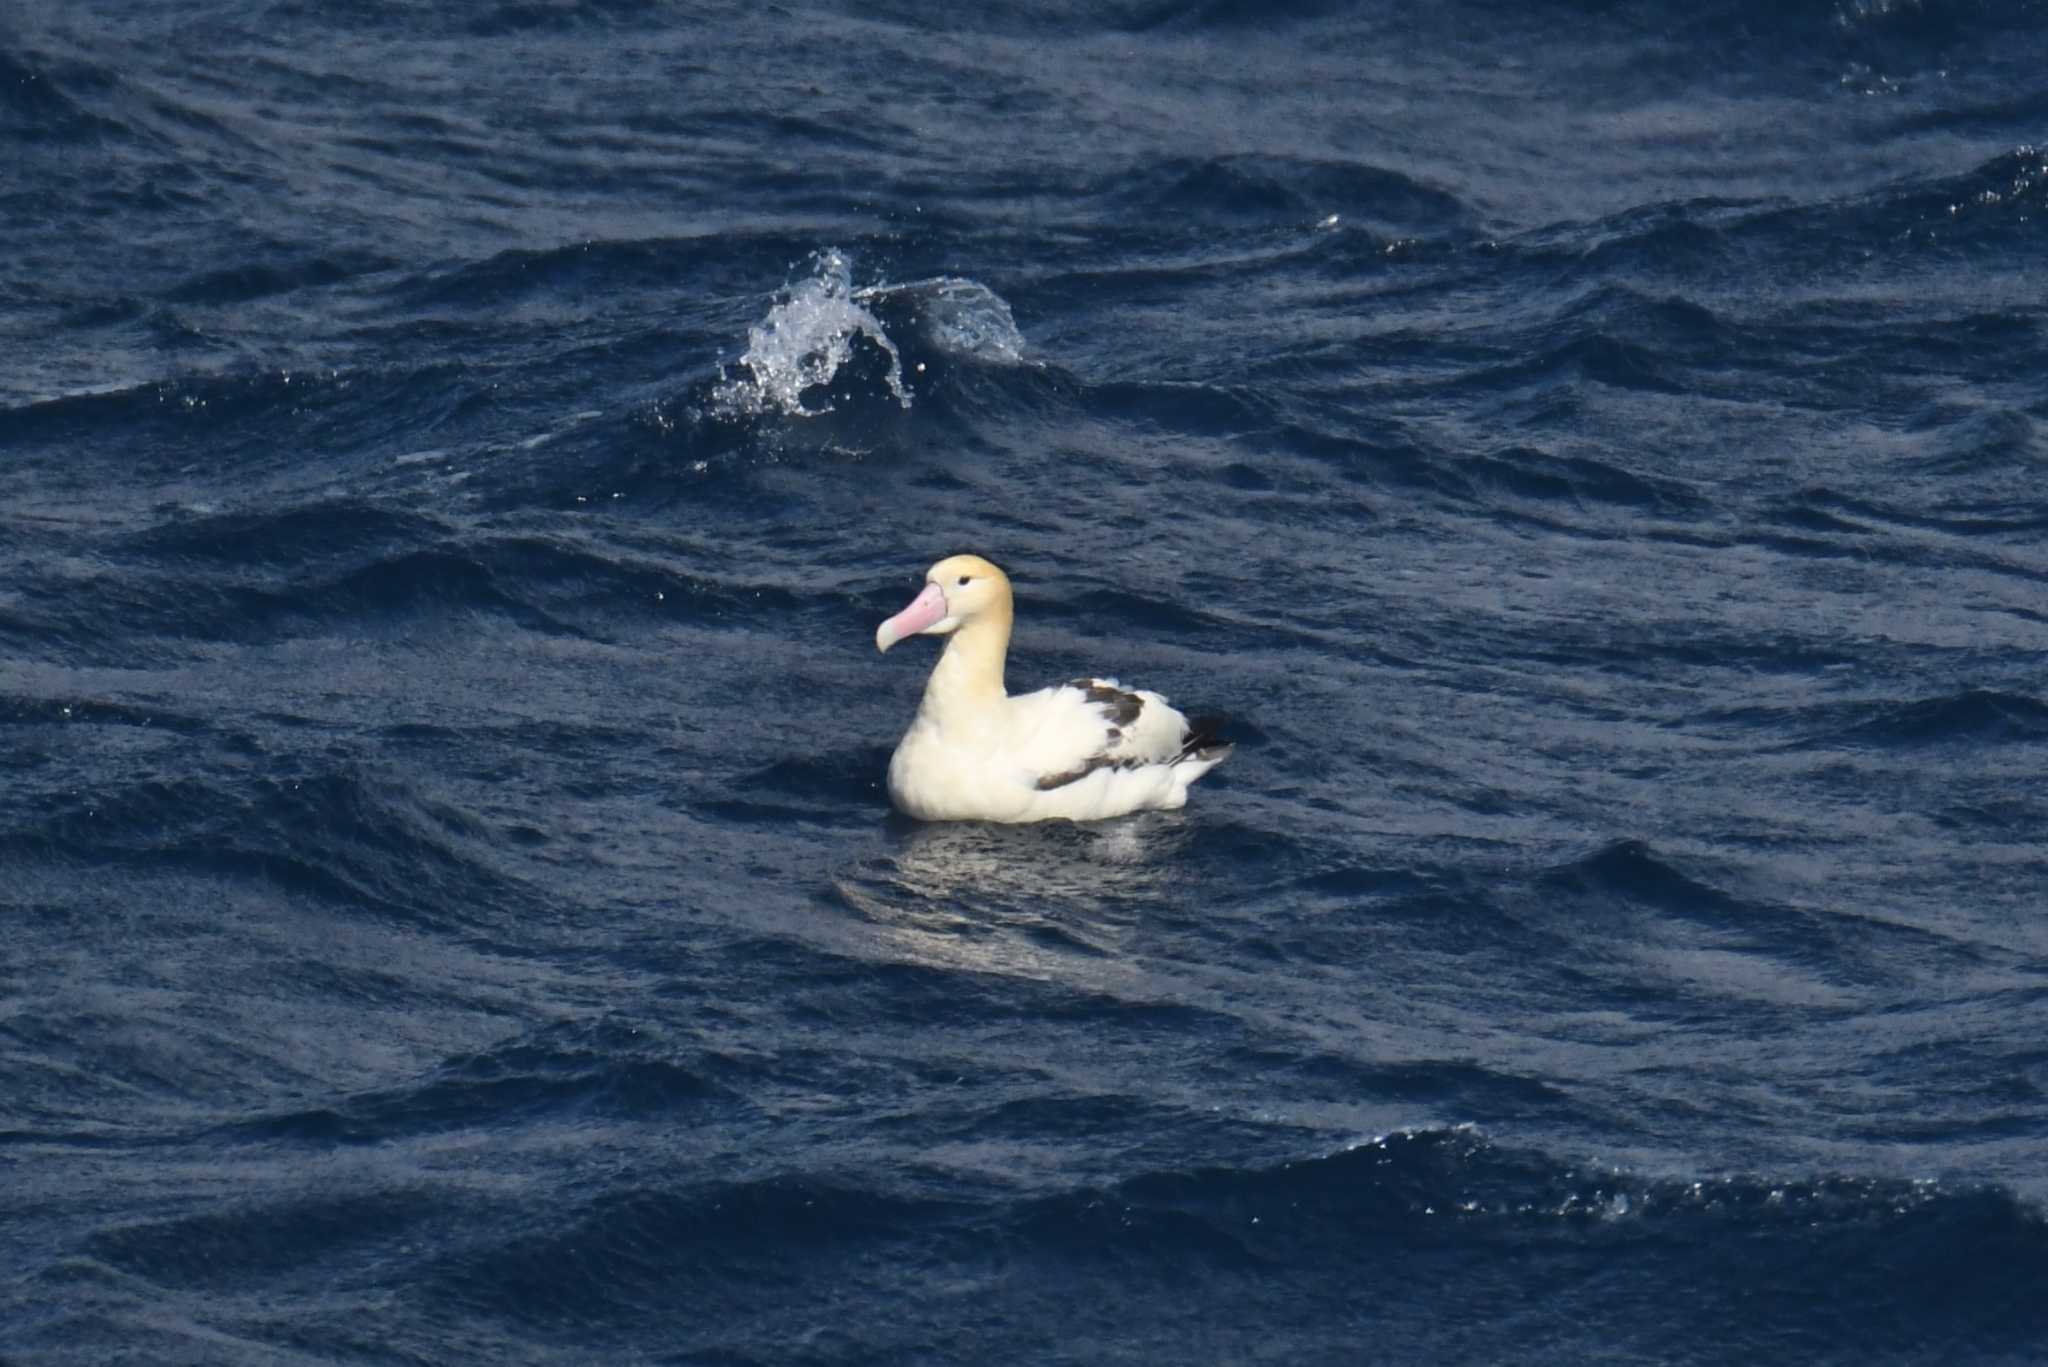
(453, 459)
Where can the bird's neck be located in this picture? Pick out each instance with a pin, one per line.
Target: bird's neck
(969, 673)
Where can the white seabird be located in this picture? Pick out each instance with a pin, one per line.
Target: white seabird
(1081, 751)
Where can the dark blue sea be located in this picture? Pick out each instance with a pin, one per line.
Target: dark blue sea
(454, 457)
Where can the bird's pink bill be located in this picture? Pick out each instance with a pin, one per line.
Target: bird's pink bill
(925, 610)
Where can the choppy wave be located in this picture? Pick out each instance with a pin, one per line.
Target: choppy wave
(453, 908)
(1865, 1266)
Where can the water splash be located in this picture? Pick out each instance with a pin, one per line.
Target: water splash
(797, 349)
(961, 317)
(817, 324)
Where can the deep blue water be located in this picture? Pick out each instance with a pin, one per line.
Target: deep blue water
(453, 459)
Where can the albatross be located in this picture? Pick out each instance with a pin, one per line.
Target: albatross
(1082, 751)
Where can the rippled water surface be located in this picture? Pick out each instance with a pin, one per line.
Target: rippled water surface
(453, 460)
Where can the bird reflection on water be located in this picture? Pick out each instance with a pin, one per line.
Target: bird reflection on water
(1048, 901)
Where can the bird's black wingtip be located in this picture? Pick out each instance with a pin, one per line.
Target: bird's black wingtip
(1205, 739)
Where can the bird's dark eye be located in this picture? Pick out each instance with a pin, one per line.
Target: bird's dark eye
(963, 580)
